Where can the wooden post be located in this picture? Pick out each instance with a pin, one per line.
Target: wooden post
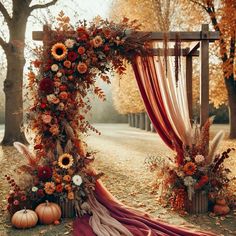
(189, 84)
(147, 123)
(204, 75)
(142, 121)
(46, 34)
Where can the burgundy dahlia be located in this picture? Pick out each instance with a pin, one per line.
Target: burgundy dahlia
(40, 193)
(46, 85)
(44, 173)
(72, 56)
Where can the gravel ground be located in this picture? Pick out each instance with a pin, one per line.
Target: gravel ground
(121, 154)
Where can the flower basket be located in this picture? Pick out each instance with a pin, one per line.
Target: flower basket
(198, 204)
(67, 208)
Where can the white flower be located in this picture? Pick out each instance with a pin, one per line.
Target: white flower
(69, 43)
(54, 67)
(189, 181)
(59, 74)
(199, 158)
(180, 173)
(34, 189)
(52, 99)
(61, 106)
(187, 158)
(77, 180)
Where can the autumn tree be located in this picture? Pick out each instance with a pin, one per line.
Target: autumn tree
(15, 15)
(126, 94)
(223, 18)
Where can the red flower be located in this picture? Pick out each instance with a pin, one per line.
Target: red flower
(72, 56)
(46, 85)
(106, 48)
(23, 198)
(44, 173)
(40, 193)
(38, 146)
(203, 180)
(81, 30)
(10, 200)
(43, 105)
(16, 202)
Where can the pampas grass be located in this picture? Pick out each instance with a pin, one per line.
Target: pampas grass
(214, 146)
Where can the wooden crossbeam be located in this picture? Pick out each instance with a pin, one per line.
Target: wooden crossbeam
(158, 36)
(171, 52)
(183, 36)
(193, 48)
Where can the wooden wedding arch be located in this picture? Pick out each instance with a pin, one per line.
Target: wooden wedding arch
(199, 48)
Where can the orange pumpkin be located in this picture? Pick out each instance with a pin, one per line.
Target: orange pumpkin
(24, 219)
(221, 210)
(48, 212)
(221, 201)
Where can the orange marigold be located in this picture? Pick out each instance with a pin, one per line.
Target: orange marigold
(189, 168)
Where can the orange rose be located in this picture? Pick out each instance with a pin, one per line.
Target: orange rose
(67, 64)
(63, 95)
(71, 196)
(49, 188)
(54, 129)
(82, 68)
(46, 118)
(81, 50)
(67, 178)
(59, 188)
(68, 187)
(97, 41)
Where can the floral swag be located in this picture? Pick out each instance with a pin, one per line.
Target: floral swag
(64, 72)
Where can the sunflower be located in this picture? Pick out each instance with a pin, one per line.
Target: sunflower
(59, 51)
(189, 168)
(65, 161)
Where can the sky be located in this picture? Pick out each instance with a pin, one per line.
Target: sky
(75, 9)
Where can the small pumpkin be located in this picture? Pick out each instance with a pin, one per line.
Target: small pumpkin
(24, 219)
(221, 201)
(221, 210)
(48, 212)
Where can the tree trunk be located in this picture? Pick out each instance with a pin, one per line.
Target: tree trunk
(231, 89)
(13, 84)
(142, 120)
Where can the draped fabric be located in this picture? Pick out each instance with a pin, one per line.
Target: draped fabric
(167, 107)
(149, 86)
(137, 223)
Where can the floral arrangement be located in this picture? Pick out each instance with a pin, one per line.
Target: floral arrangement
(201, 170)
(64, 72)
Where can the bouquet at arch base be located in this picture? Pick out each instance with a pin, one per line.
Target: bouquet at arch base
(202, 170)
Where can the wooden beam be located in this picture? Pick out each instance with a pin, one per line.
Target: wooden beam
(193, 48)
(189, 84)
(183, 36)
(204, 77)
(158, 36)
(171, 52)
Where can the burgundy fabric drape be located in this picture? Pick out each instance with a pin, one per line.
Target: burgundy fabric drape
(138, 223)
(145, 73)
